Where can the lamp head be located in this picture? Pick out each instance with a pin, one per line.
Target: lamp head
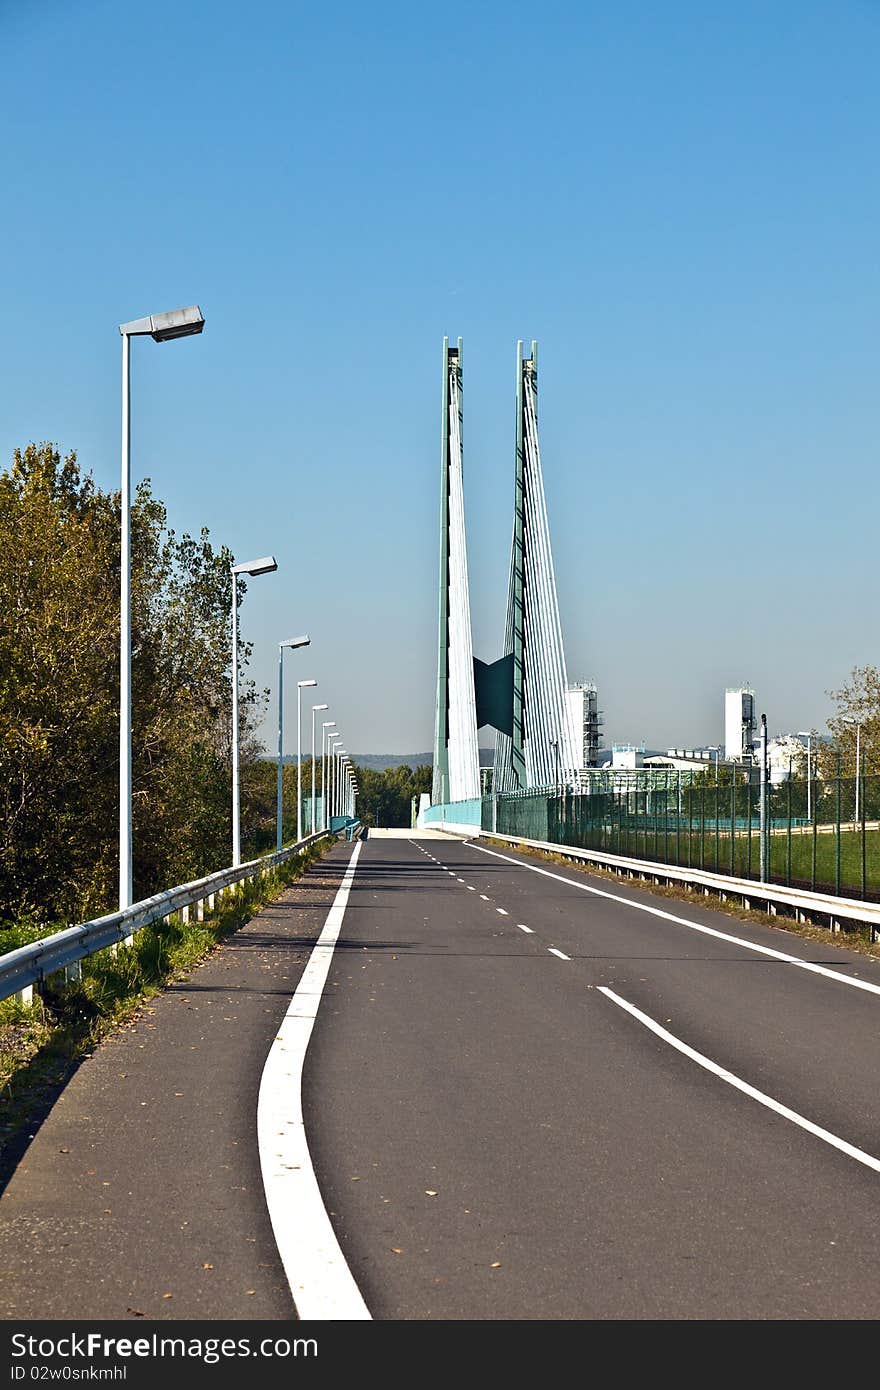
(265, 565)
(296, 641)
(175, 323)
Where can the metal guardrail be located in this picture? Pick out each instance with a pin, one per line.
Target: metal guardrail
(807, 905)
(30, 964)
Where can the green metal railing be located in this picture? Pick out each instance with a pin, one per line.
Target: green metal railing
(822, 834)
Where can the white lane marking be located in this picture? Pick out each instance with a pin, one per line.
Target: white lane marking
(483, 896)
(522, 926)
(321, 1282)
(502, 911)
(459, 880)
(561, 954)
(693, 926)
(470, 888)
(728, 1076)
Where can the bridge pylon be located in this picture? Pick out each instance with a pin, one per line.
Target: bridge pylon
(456, 750)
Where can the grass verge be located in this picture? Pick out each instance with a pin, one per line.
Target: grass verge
(851, 940)
(42, 1044)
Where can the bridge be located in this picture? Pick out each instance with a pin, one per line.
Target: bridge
(499, 1065)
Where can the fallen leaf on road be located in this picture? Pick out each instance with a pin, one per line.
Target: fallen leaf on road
(207, 1266)
(495, 1265)
(168, 1295)
(429, 1192)
(249, 1291)
(396, 1250)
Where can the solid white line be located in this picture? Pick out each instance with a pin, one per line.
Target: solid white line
(522, 926)
(728, 1076)
(561, 954)
(692, 926)
(320, 1280)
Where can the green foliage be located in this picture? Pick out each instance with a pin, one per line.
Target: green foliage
(385, 798)
(59, 694)
(858, 700)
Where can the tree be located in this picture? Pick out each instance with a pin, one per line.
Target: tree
(385, 798)
(59, 694)
(858, 699)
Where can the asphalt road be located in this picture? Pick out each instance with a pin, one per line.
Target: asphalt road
(498, 1139)
(141, 1194)
(494, 1136)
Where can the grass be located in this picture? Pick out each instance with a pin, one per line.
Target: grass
(42, 1044)
(702, 855)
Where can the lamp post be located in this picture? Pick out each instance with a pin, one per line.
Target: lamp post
(328, 724)
(178, 323)
(808, 735)
(337, 778)
(300, 686)
(251, 567)
(279, 806)
(851, 719)
(315, 708)
(331, 766)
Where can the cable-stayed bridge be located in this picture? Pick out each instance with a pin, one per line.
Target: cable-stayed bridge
(522, 695)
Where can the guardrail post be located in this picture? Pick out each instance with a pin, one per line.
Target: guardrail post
(184, 915)
(24, 996)
(200, 910)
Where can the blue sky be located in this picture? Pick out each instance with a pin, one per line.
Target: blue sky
(680, 202)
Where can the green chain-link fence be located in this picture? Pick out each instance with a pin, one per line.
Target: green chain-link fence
(823, 834)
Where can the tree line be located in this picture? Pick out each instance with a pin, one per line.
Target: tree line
(59, 694)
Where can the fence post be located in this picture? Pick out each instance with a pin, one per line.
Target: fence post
(860, 773)
(788, 834)
(837, 833)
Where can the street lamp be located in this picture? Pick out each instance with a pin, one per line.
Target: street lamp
(279, 799)
(808, 735)
(314, 709)
(331, 765)
(328, 724)
(851, 719)
(265, 565)
(300, 686)
(339, 755)
(178, 323)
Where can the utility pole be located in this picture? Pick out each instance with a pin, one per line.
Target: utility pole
(764, 807)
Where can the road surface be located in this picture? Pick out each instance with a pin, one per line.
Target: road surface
(529, 1093)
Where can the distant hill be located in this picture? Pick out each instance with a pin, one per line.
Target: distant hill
(379, 761)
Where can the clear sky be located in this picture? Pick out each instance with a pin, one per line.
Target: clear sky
(679, 201)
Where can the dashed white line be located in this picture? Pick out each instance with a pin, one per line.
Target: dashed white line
(502, 911)
(692, 926)
(736, 1081)
(561, 954)
(522, 926)
(470, 888)
(483, 896)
